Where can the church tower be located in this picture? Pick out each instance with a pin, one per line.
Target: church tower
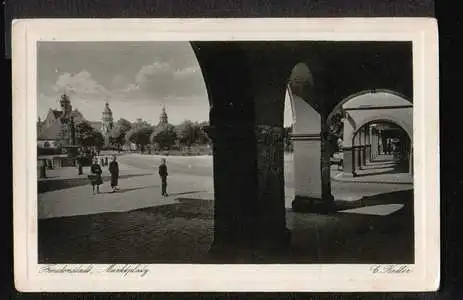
(107, 125)
(66, 107)
(163, 117)
(65, 135)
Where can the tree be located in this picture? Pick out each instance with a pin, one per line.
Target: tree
(139, 136)
(85, 133)
(118, 133)
(139, 123)
(187, 133)
(164, 136)
(203, 137)
(98, 139)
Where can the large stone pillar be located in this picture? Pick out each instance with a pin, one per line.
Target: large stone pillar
(235, 185)
(237, 212)
(270, 81)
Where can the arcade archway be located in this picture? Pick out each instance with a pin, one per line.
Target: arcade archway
(363, 109)
(246, 92)
(380, 147)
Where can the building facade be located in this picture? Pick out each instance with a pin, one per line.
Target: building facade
(51, 130)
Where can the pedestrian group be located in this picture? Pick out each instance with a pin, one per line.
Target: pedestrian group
(96, 177)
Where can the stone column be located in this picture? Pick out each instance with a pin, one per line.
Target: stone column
(327, 196)
(347, 148)
(380, 142)
(362, 147)
(356, 147)
(375, 144)
(368, 156)
(348, 160)
(237, 214)
(272, 231)
(311, 159)
(235, 185)
(269, 86)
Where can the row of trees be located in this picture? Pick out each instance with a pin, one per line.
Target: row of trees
(168, 136)
(162, 137)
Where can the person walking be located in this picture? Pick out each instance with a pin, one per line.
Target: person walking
(80, 161)
(114, 170)
(163, 174)
(95, 177)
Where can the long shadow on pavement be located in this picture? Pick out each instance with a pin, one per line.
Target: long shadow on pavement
(186, 193)
(182, 232)
(187, 208)
(131, 189)
(397, 197)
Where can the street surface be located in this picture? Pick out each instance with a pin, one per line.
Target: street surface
(138, 225)
(188, 176)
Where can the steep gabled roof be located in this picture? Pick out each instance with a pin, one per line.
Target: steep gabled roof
(56, 113)
(78, 117)
(51, 132)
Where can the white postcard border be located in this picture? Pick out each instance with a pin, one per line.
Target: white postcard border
(423, 275)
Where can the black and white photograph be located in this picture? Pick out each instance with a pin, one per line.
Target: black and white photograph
(227, 152)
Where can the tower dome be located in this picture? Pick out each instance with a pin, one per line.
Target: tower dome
(107, 111)
(66, 106)
(163, 117)
(107, 122)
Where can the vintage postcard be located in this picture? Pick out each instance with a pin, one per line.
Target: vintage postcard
(226, 155)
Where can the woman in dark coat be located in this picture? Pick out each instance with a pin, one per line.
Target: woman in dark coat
(114, 170)
(95, 177)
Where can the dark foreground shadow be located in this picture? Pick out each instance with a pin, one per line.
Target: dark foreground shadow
(186, 208)
(182, 232)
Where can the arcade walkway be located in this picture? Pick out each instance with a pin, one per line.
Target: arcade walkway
(382, 171)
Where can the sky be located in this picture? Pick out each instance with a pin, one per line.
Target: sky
(135, 78)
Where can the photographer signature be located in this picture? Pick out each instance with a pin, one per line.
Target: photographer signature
(394, 269)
